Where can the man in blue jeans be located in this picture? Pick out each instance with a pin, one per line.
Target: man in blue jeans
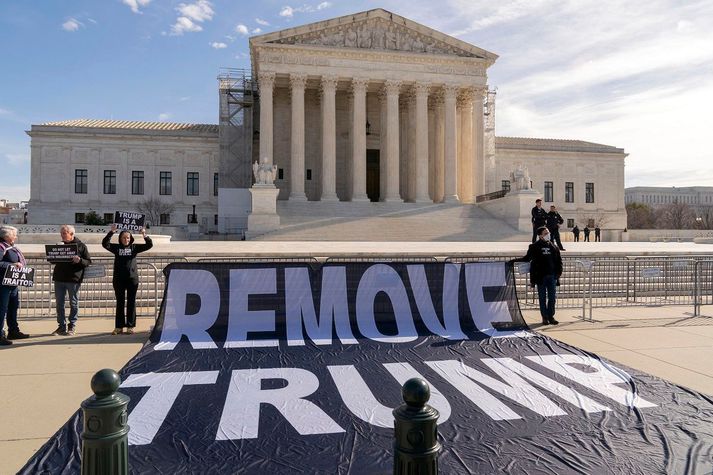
(545, 271)
(67, 277)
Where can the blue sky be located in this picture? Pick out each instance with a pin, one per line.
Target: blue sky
(634, 74)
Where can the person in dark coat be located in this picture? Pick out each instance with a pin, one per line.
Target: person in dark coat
(539, 218)
(545, 272)
(575, 231)
(68, 277)
(554, 221)
(11, 256)
(597, 234)
(586, 234)
(126, 276)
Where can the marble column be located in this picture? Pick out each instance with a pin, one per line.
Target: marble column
(410, 155)
(266, 83)
(297, 162)
(392, 140)
(359, 86)
(450, 144)
(465, 102)
(438, 149)
(421, 192)
(478, 142)
(329, 139)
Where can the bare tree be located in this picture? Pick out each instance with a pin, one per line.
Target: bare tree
(639, 216)
(704, 220)
(153, 208)
(675, 216)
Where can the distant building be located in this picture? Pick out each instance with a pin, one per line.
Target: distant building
(697, 197)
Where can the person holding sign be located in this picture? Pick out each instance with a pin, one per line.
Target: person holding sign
(9, 296)
(126, 276)
(67, 277)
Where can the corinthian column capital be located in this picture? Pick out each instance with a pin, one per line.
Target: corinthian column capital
(266, 80)
(298, 81)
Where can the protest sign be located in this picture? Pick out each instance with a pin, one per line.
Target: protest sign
(19, 277)
(60, 252)
(129, 221)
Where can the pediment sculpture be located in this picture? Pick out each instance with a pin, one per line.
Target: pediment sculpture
(264, 172)
(376, 34)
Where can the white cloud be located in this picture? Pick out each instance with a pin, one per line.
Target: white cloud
(324, 5)
(184, 98)
(17, 158)
(4, 111)
(287, 12)
(190, 15)
(256, 31)
(242, 29)
(262, 22)
(72, 25)
(136, 4)
(218, 45)
(164, 116)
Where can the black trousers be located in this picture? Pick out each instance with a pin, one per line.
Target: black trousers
(125, 292)
(555, 233)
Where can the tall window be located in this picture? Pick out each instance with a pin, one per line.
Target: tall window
(192, 184)
(78, 218)
(137, 182)
(215, 184)
(570, 222)
(164, 185)
(165, 218)
(549, 192)
(589, 192)
(80, 181)
(109, 182)
(569, 192)
(108, 218)
(505, 185)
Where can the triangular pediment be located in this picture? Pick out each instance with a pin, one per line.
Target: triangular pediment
(375, 30)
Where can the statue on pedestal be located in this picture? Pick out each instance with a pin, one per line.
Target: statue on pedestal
(264, 172)
(520, 179)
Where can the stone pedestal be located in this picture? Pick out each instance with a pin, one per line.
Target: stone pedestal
(515, 208)
(263, 216)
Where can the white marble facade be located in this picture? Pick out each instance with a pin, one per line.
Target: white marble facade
(370, 106)
(59, 150)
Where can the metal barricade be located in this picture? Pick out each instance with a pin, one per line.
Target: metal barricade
(585, 266)
(703, 287)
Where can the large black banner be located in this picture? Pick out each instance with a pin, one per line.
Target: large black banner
(281, 368)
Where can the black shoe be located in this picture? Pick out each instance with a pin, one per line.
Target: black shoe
(545, 322)
(562, 249)
(60, 331)
(4, 341)
(553, 321)
(17, 335)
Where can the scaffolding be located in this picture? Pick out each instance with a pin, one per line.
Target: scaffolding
(237, 93)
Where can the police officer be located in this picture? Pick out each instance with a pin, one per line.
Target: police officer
(539, 218)
(554, 220)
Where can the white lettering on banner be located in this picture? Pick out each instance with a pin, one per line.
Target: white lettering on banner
(184, 282)
(240, 418)
(125, 252)
(147, 416)
(360, 400)
(509, 370)
(465, 379)
(488, 274)
(424, 301)
(241, 321)
(241, 413)
(333, 307)
(383, 278)
(603, 379)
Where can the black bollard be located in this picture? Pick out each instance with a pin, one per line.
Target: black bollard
(416, 445)
(105, 438)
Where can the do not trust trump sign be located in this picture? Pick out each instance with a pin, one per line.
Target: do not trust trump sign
(282, 368)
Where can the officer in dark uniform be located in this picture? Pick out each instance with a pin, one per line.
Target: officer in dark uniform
(545, 271)
(554, 220)
(539, 218)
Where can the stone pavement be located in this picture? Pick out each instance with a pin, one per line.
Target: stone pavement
(44, 379)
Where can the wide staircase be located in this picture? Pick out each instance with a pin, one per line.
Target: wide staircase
(346, 221)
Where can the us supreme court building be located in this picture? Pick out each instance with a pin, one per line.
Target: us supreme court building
(365, 109)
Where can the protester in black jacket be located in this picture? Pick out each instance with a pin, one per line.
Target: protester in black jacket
(554, 220)
(126, 276)
(67, 277)
(539, 218)
(545, 271)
